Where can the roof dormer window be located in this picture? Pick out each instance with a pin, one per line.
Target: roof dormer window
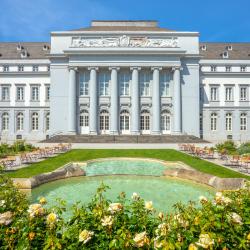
(229, 47)
(243, 68)
(20, 68)
(19, 47)
(24, 54)
(45, 47)
(203, 47)
(225, 54)
(213, 68)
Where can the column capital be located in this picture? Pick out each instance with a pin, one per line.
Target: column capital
(135, 67)
(93, 67)
(177, 68)
(114, 67)
(156, 67)
(73, 68)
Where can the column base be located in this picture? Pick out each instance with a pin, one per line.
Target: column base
(113, 132)
(156, 133)
(176, 133)
(135, 133)
(93, 133)
(71, 133)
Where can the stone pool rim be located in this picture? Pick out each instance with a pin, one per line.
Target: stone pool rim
(74, 169)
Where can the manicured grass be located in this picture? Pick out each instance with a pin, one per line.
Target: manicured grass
(162, 154)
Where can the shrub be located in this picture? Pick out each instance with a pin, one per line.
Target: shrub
(228, 146)
(244, 148)
(223, 223)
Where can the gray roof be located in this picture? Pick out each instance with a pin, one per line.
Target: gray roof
(240, 51)
(35, 50)
(121, 28)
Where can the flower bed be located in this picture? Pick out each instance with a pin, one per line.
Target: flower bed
(221, 223)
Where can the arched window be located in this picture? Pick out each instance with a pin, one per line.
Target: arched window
(165, 121)
(34, 121)
(5, 121)
(84, 118)
(213, 121)
(243, 121)
(145, 121)
(47, 121)
(19, 121)
(104, 121)
(229, 119)
(124, 121)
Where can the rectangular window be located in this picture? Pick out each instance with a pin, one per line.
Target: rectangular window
(213, 94)
(5, 93)
(47, 93)
(243, 68)
(35, 68)
(213, 68)
(124, 84)
(34, 93)
(164, 84)
(145, 84)
(228, 122)
(20, 93)
(243, 94)
(84, 84)
(243, 122)
(5, 68)
(229, 94)
(20, 68)
(104, 79)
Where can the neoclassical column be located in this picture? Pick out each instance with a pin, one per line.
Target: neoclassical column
(72, 100)
(114, 101)
(135, 101)
(156, 102)
(177, 101)
(93, 100)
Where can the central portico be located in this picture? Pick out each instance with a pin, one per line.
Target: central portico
(125, 77)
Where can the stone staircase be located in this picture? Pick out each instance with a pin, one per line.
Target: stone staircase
(124, 139)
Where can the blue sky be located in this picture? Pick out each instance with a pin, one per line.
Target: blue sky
(216, 20)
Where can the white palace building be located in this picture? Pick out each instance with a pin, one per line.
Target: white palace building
(124, 77)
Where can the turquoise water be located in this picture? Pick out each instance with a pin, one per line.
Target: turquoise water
(164, 192)
(131, 167)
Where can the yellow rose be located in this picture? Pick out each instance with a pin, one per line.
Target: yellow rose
(205, 241)
(161, 215)
(51, 218)
(141, 239)
(115, 207)
(85, 236)
(31, 236)
(42, 200)
(248, 236)
(35, 210)
(149, 205)
(107, 221)
(192, 247)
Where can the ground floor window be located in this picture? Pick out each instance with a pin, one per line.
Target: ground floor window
(5, 121)
(34, 121)
(20, 121)
(243, 121)
(213, 121)
(165, 121)
(124, 120)
(228, 122)
(84, 118)
(47, 121)
(104, 121)
(145, 120)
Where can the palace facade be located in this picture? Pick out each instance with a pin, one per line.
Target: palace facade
(124, 77)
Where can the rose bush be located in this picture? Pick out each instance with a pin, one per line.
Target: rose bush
(220, 223)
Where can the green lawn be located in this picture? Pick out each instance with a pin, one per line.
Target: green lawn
(162, 154)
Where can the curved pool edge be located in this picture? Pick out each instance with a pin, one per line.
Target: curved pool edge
(182, 171)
